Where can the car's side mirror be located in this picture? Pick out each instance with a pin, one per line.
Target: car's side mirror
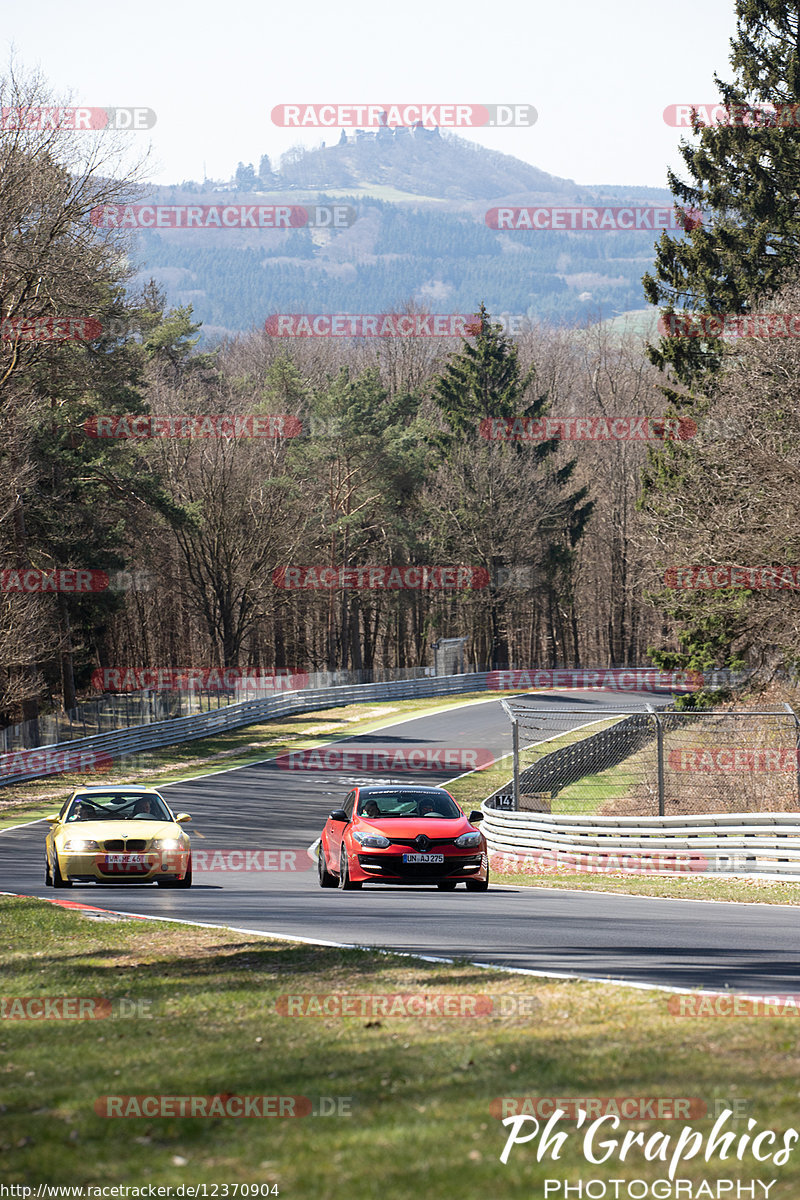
(339, 814)
(181, 818)
(52, 818)
(474, 816)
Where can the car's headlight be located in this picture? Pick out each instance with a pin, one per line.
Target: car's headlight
(167, 844)
(77, 845)
(468, 839)
(376, 840)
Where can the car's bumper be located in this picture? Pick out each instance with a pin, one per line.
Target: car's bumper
(118, 867)
(390, 868)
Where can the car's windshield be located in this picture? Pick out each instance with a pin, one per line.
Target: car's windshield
(407, 804)
(117, 806)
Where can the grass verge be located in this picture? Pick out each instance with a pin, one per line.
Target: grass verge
(742, 891)
(416, 1120)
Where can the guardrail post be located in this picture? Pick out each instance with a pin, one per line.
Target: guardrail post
(660, 757)
(790, 710)
(514, 752)
(660, 751)
(515, 748)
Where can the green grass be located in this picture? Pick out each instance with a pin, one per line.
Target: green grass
(587, 796)
(419, 1089)
(744, 891)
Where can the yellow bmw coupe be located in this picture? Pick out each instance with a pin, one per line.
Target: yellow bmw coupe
(118, 834)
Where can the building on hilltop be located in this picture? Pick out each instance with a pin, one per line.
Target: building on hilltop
(389, 133)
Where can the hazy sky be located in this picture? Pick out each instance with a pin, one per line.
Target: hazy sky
(599, 73)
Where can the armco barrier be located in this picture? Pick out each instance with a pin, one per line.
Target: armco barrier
(740, 843)
(121, 742)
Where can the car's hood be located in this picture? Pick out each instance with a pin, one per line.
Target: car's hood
(103, 830)
(409, 827)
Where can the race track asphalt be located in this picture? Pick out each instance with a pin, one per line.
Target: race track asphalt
(688, 944)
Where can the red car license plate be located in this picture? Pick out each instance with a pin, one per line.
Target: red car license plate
(423, 858)
(125, 864)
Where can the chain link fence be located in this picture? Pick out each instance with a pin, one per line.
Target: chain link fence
(651, 763)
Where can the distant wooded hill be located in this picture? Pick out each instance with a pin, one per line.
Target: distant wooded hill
(420, 235)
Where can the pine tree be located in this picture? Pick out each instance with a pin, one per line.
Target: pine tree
(265, 175)
(743, 179)
(485, 380)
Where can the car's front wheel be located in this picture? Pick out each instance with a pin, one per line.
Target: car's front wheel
(58, 879)
(478, 885)
(345, 882)
(326, 879)
(48, 878)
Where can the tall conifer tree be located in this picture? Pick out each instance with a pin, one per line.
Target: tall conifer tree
(743, 177)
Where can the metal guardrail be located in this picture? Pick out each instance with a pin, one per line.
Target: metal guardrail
(761, 843)
(147, 696)
(95, 753)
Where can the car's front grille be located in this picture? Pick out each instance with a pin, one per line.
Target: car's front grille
(393, 865)
(413, 841)
(135, 845)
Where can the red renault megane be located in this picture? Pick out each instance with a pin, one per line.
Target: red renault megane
(402, 834)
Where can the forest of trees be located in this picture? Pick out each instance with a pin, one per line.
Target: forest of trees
(571, 539)
(393, 253)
